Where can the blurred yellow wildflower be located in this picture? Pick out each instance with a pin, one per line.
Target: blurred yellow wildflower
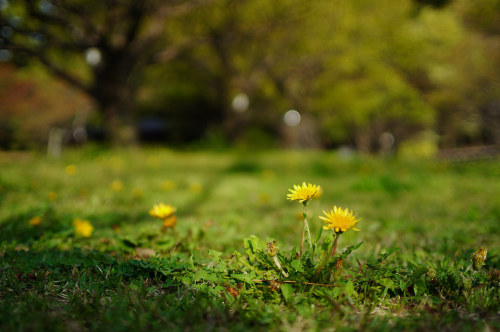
(52, 196)
(115, 163)
(170, 221)
(267, 174)
(304, 193)
(168, 185)
(83, 227)
(340, 220)
(153, 161)
(196, 187)
(35, 221)
(116, 185)
(162, 211)
(138, 193)
(479, 258)
(264, 198)
(70, 169)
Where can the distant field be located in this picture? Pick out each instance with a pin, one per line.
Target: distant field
(130, 274)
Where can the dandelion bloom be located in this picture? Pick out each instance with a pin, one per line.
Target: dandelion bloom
(168, 185)
(162, 211)
(138, 193)
(304, 193)
(35, 221)
(83, 227)
(170, 221)
(340, 220)
(70, 169)
(196, 187)
(52, 196)
(116, 185)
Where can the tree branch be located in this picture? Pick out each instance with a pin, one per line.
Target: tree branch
(53, 68)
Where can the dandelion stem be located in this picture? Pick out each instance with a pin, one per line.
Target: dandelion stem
(302, 239)
(307, 231)
(327, 256)
(335, 246)
(304, 226)
(277, 262)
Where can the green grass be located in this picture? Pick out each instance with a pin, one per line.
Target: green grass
(129, 275)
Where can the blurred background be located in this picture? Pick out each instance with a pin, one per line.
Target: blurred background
(407, 76)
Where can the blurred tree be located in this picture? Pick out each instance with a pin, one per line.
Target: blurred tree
(483, 16)
(97, 46)
(21, 92)
(238, 53)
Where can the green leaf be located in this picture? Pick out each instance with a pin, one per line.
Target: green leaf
(128, 243)
(402, 285)
(253, 243)
(248, 278)
(349, 288)
(287, 291)
(350, 249)
(297, 266)
(214, 254)
(387, 283)
(319, 234)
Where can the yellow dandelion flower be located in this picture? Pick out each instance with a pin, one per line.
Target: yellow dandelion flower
(268, 174)
(52, 196)
(162, 211)
(70, 169)
(196, 187)
(138, 193)
(116, 185)
(115, 163)
(168, 185)
(304, 193)
(170, 221)
(479, 257)
(340, 220)
(153, 161)
(264, 198)
(35, 221)
(83, 227)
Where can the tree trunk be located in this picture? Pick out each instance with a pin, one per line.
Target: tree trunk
(118, 109)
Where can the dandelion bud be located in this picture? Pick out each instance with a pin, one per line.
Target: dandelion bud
(272, 248)
(478, 258)
(272, 251)
(431, 272)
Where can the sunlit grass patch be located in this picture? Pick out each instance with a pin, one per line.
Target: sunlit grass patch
(135, 270)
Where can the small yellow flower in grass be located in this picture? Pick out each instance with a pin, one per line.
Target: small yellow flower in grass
(268, 174)
(196, 187)
(52, 196)
(162, 211)
(304, 193)
(70, 169)
(35, 221)
(83, 227)
(170, 221)
(168, 185)
(138, 193)
(116, 185)
(479, 258)
(340, 220)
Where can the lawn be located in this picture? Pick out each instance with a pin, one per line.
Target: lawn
(409, 267)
